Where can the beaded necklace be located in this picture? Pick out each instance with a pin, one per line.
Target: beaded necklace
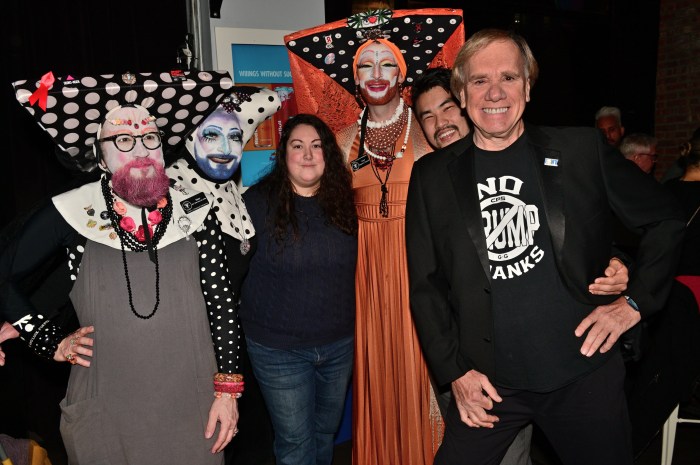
(390, 158)
(384, 160)
(381, 136)
(134, 244)
(383, 124)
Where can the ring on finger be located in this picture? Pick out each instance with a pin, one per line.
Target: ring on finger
(73, 341)
(71, 358)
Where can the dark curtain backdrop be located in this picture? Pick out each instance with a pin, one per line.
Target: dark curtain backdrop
(80, 38)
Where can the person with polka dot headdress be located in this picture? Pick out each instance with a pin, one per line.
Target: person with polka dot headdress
(141, 388)
(353, 74)
(213, 155)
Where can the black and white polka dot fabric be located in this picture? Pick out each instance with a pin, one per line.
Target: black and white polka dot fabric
(75, 107)
(229, 207)
(419, 35)
(219, 295)
(75, 256)
(41, 334)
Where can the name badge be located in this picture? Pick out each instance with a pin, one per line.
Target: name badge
(194, 203)
(361, 162)
(551, 162)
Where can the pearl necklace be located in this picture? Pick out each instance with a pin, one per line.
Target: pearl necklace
(403, 145)
(383, 124)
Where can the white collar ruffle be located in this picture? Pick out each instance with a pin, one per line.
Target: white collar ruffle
(85, 210)
(231, 212)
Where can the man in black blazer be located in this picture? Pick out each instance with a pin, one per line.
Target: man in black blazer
(505, 229)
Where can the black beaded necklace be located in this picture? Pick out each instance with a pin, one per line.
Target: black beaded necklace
(151, 244)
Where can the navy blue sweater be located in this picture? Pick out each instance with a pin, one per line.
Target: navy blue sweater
(302, 294)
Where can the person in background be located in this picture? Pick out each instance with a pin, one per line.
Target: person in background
(641, 150)
(609, 121)
(444, 122)
(505, 229)
(141, 388)
(213, 154)
(438, 112)
(677, 168)
(687, 191)
(665, 377)
(298, 300)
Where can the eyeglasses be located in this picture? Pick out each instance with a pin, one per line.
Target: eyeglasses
(127, 142)
(653, 156)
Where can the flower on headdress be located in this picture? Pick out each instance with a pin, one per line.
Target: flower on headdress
(127, 224)
(162, 202)
(141, 236)
(120, 208)
(155, 217)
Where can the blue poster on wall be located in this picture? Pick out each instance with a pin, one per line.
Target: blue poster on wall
(260, 64)
(263, 66)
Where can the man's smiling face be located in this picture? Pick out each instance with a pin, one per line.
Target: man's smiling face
(495, 94)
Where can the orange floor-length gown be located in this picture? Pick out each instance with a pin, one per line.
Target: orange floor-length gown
(396, 420)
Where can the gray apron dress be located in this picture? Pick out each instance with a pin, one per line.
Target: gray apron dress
(145, 399)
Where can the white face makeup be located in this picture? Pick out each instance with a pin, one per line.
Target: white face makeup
(132, 152)
(132, 122)
(218, 145)
(378, 74)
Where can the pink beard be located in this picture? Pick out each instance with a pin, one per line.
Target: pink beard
(141, 192)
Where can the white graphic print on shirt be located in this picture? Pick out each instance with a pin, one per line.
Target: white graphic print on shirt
(510, 226)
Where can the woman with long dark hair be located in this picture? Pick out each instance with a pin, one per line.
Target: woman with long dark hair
(298, 300)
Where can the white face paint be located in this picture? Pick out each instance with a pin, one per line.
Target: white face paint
(218, 145)
(135, 122)
(378, 74)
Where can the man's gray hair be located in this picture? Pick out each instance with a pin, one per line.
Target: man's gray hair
(637, 143)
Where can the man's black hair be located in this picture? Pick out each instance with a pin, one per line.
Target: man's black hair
(433, 77)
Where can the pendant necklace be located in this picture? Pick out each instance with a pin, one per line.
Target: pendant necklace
(244, 247)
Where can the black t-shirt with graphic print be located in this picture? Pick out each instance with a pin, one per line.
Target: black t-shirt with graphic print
(534, 314)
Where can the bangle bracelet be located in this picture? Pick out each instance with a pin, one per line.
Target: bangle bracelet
(228, 387)
(228, 378)
(227, 395)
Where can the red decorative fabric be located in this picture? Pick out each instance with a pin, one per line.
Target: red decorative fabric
(692, 283)
(318, 94)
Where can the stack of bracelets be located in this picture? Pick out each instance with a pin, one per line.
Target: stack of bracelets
(228, 385)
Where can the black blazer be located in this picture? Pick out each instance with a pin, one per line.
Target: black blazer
(450, 283)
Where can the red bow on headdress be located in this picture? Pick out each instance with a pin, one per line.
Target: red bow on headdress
(42, 93)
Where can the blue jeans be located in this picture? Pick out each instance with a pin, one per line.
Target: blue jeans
(304, 390)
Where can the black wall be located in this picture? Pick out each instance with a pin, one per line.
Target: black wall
(591, 53)
(79, 38)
